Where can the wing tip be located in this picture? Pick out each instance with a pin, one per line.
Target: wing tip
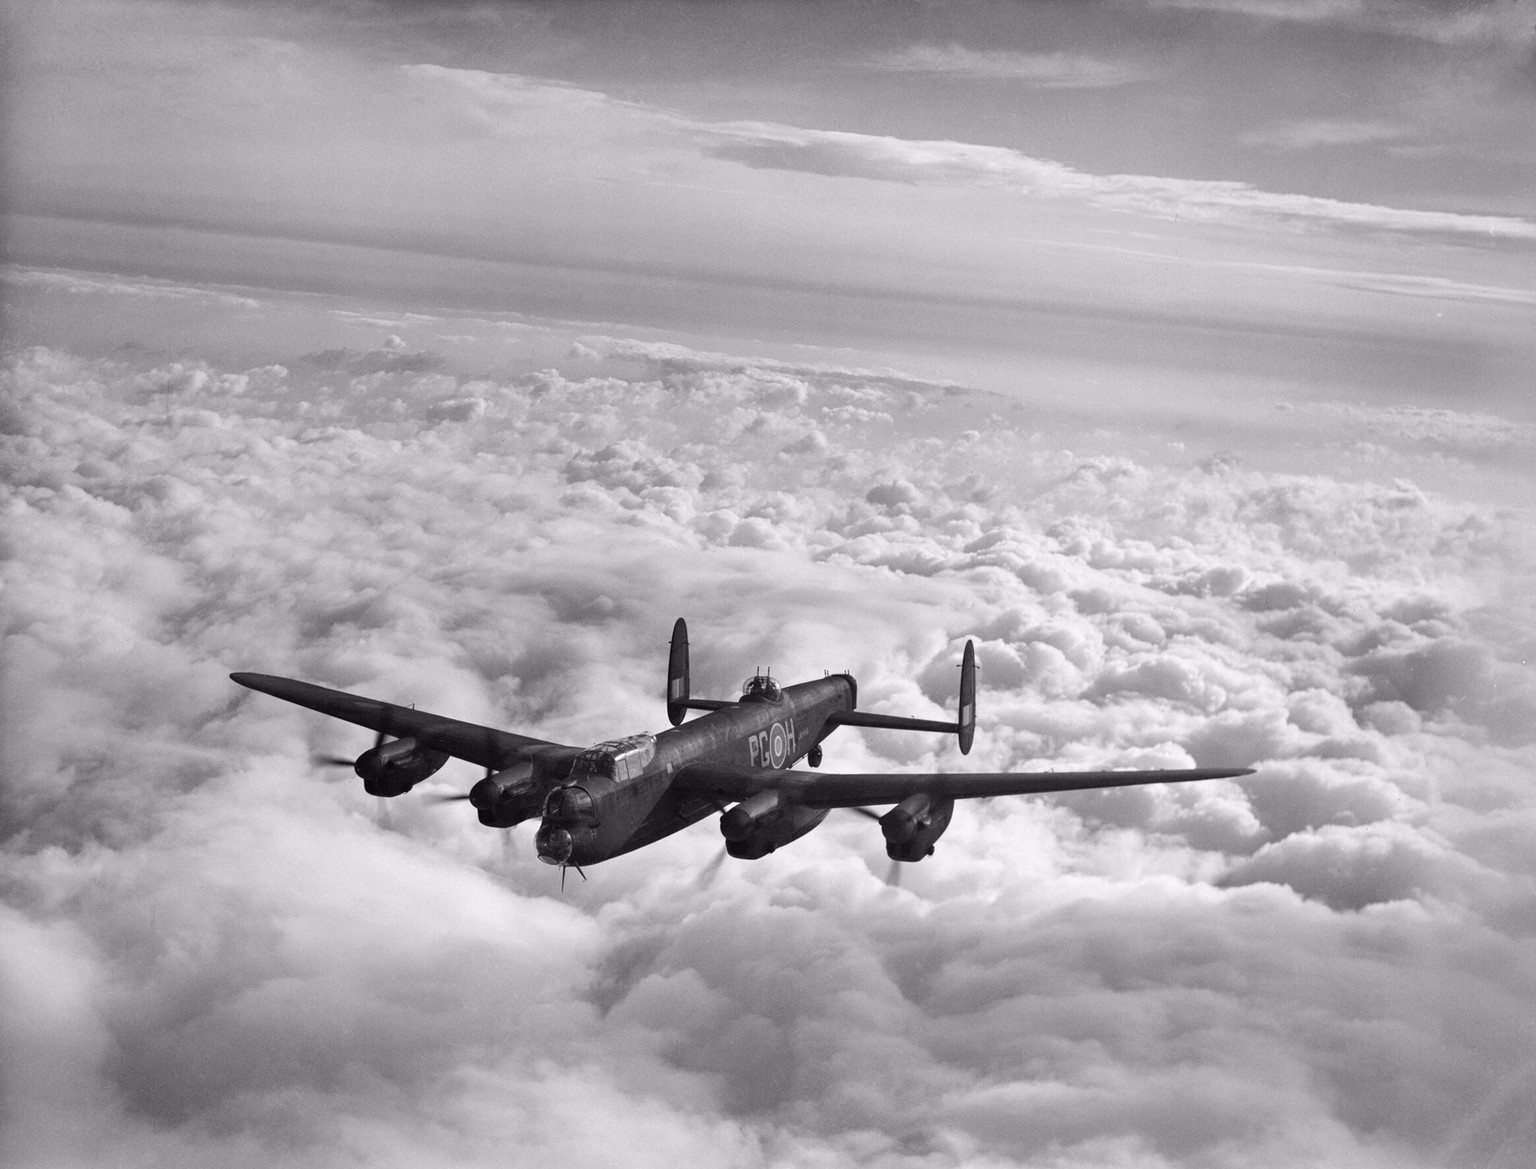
(266, 683)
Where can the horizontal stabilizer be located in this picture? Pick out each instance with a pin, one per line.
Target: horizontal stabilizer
(708, 703)
(964, 726)
(887, 722)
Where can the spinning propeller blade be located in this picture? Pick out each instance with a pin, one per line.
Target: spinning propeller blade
(344, 760)
(893, 874)
(461, 796)
(710, 871)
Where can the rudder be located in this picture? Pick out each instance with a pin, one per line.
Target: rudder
(966, 724)
(677, 674)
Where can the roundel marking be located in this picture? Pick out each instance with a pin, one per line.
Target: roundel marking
(778, 746)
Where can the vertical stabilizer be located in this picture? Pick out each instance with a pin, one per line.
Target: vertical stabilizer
(967, 720)
(677, 674)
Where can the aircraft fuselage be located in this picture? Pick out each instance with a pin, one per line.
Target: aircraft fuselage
(620, 796)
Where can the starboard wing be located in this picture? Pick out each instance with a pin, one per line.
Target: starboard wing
(814, 790)
(484, 746)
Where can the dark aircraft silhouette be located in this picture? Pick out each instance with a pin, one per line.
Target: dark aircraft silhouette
(602, 801)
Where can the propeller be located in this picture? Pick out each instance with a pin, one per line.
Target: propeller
(485, 795)
(710, 871)
(344, 760)
(893, 874)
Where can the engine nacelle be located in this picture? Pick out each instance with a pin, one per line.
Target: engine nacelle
(760, 824)
(392, 769)
(912, 826)
(507, 797)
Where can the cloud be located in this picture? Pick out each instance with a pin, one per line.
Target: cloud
(512, 105)
(1450, 675)
(213, 951)
(1039, 70)
(1323, 132)
(948, 163)
(1351, 868)
(95, 283)
(1481, 23)
(1438, 288)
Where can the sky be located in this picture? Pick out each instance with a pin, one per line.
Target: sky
(1178, 352)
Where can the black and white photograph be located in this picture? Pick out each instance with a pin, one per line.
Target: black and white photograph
(791, 585)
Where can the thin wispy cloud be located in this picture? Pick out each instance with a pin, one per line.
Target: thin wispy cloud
(1326, 132)
(959, 163)
(1485, 23)
(498, 103)
(1039, 70)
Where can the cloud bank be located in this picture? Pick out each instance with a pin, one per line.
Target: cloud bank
(210, 950)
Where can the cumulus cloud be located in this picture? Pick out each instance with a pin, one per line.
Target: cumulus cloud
(214, 951)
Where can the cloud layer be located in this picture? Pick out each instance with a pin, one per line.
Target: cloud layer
(213, 951)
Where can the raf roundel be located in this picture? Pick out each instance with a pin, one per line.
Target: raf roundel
(778, 747)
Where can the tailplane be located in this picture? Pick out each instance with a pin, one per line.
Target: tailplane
(963, 728)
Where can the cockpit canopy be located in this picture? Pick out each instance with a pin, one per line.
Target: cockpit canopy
(760, 688)
(617, 759)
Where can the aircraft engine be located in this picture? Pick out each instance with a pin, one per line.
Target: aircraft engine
(760, 824)
(912, 826)
(392, 769)
(508, 797)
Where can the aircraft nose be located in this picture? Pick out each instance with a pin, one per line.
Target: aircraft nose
(554, 845)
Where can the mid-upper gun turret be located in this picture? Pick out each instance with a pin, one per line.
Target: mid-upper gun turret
(760, 688)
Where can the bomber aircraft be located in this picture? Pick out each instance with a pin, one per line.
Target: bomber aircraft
(599, 802)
